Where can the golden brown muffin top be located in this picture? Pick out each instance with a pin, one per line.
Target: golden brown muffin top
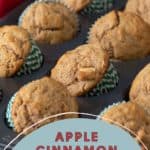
(140, 89)
(49, 22)
(14, 47)
(132, 117)
(76, 5)
(81, 69)
(139, 7)
(38, 100)
(124, 35)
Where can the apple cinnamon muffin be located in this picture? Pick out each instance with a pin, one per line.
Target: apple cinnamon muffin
(49, 22)
(86, 71)
(123, 34)
(38, 100)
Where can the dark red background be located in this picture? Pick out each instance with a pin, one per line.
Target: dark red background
(7, 5)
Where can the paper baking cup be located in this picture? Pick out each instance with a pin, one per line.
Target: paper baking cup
(108, 83)
(1, 94)
(33, 61)
(8, 112)
(98, 7)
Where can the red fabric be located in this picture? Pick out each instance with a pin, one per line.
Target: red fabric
(8, 5)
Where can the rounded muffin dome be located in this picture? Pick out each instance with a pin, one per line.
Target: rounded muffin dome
(38, 100)
(49, 22)
(124, 35)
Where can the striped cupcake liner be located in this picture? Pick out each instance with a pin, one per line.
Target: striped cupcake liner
(108, 83)
(1, 94)
(33, 62)
(8, 112)
(98, 7)
(109, 107)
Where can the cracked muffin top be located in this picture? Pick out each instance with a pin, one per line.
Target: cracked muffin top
(49, 22)
(81, 69)
(124, 35)
(38, 100)
(76, 5)
(139, 7)
(140, 89)
(132, 117)
(14, 47)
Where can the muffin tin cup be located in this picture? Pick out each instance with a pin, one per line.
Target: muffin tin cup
(108, 83)
(33, 61)
(1, 94)
(92, 105)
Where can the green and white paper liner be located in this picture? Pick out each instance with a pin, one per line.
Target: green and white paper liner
(33, 61)
(108, 83)
(98, 7)
(1, 94)
(8, 112)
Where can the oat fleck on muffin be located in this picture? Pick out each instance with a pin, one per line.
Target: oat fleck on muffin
(139, 7)
(123, 34)
(49, 22)
(140, 89)
(37, 100)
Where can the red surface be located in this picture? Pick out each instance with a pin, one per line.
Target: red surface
(7, 5)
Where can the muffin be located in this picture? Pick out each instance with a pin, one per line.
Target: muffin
(131, 117)
(123, 34)
(38, 100)
(140, 88)
(49, 22)
(85, 71)
(139, 7)
(19, 54)
(89, 7)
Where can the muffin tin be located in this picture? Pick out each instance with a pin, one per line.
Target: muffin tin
(93, 105)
